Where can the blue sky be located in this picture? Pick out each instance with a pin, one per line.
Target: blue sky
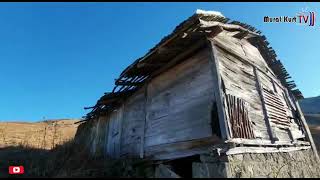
(56, 58)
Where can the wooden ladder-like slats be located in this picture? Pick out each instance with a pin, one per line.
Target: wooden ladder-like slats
(239, 118)
(275, 108)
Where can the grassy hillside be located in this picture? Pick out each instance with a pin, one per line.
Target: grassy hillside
(311, 109)
(41, 135)
(310, 105)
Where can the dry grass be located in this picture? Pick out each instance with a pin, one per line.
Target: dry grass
(41, 135)
(69, 160)
(48, 149)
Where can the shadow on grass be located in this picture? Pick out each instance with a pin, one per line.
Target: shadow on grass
(68, 160)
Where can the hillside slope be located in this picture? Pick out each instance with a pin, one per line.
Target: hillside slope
(41, 135)
(311, 110)
(310, 105)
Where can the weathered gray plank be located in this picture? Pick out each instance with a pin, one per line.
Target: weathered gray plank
(142, 138)
(132, 126)
(178, 102)
(217, 88)
(241, 150)
(273, 137)
(113, 148)
(265, 142)
(180, 149)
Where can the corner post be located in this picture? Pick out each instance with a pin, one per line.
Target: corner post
(219, 94)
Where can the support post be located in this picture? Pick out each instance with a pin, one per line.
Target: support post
(214, 66)
(142, 138)
(272, 134)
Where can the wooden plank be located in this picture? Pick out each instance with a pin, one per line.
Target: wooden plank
(242, 150)
(106, 143)
(278, 110)
(214, 64)
(132, 124)
(273, 105)
(273, 99)
(114, 133)
(279, 122)
(196, 132)
(242, 58)
(120, 120)
(265, 142)
(145, 121)
(178, 102)
(181, 149)
(259, 88)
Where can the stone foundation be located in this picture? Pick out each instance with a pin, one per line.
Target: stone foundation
(269, 165)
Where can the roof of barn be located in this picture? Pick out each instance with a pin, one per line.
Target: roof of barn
(192, 30)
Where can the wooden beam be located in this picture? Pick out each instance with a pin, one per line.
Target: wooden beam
(186, 26)
(181, 149)
(228, 27)
(127, 83)
(217, 89)
(120, 128)
(85, 108)
(142, 138)
(241, 150)
(272, 134)
(265, 142)
(241, 35)
(80, 121)
(140, 65)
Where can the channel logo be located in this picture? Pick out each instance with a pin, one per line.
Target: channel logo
(16, 169)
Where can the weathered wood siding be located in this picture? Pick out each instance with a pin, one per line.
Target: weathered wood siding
(173, 118)
(240, 80)
(178, 106)
(114, 134)
(171, 115)
(133, 124)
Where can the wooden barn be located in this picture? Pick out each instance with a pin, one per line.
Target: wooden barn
(211, 83)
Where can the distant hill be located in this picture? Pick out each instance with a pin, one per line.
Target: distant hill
(310, 105)
(42, 135)
(311, 110)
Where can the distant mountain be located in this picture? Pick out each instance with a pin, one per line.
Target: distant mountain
(311, 110)
(310, 105)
